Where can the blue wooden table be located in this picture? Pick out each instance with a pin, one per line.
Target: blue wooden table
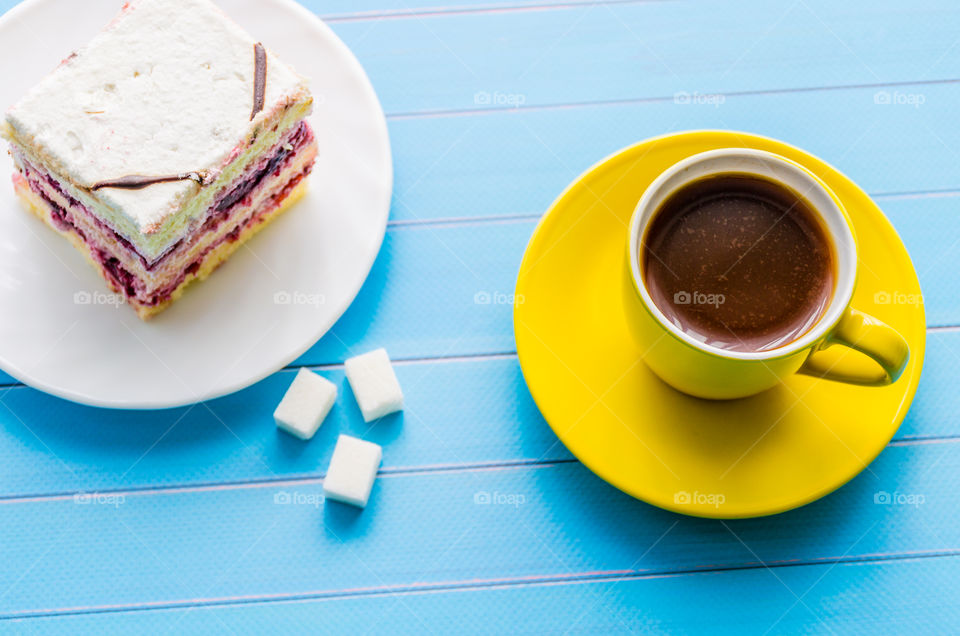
(175, 521)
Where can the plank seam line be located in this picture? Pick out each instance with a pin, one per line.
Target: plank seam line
(463, 220)
(461, 112)
(331, 366)
(316, 479)
(491, 9)
(532, 216)
(918, 194)
(613, 576)
(922, 440)
(943, 329)
(467, 357)
(470, 357)
(287, 480)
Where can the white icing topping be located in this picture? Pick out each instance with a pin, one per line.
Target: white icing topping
(167, 87)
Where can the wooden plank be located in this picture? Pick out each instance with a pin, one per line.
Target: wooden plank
(339, 10)
(584, 51)
(649, 49)
(500, 168)
(426, 294)
(518, 162)
(926, 225)
(558, 521)
(466, 413)
(932, 413)
(367, 10)
(889, 597)
(422, 297)
(459, 413)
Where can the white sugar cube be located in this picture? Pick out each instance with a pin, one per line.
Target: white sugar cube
(305, 404)
(353, 468)
(374, 384)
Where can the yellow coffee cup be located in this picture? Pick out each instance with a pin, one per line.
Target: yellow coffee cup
(698, 368)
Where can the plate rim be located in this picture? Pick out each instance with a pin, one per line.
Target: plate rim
(622, 485)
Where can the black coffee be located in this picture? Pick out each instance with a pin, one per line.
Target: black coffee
(739, 262)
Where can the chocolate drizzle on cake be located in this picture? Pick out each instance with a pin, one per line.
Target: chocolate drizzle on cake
(136, 182)
(260, 78)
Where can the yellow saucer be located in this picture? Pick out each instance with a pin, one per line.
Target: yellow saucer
(743, 458)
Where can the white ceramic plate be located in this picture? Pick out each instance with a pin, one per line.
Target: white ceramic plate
(61, 332)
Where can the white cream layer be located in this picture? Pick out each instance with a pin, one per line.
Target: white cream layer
(167, 87)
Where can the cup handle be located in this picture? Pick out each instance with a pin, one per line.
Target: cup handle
(866, 334)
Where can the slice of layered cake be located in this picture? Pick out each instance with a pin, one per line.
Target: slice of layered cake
(162, 145)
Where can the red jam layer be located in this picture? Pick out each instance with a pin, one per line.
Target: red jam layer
(223, 208)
